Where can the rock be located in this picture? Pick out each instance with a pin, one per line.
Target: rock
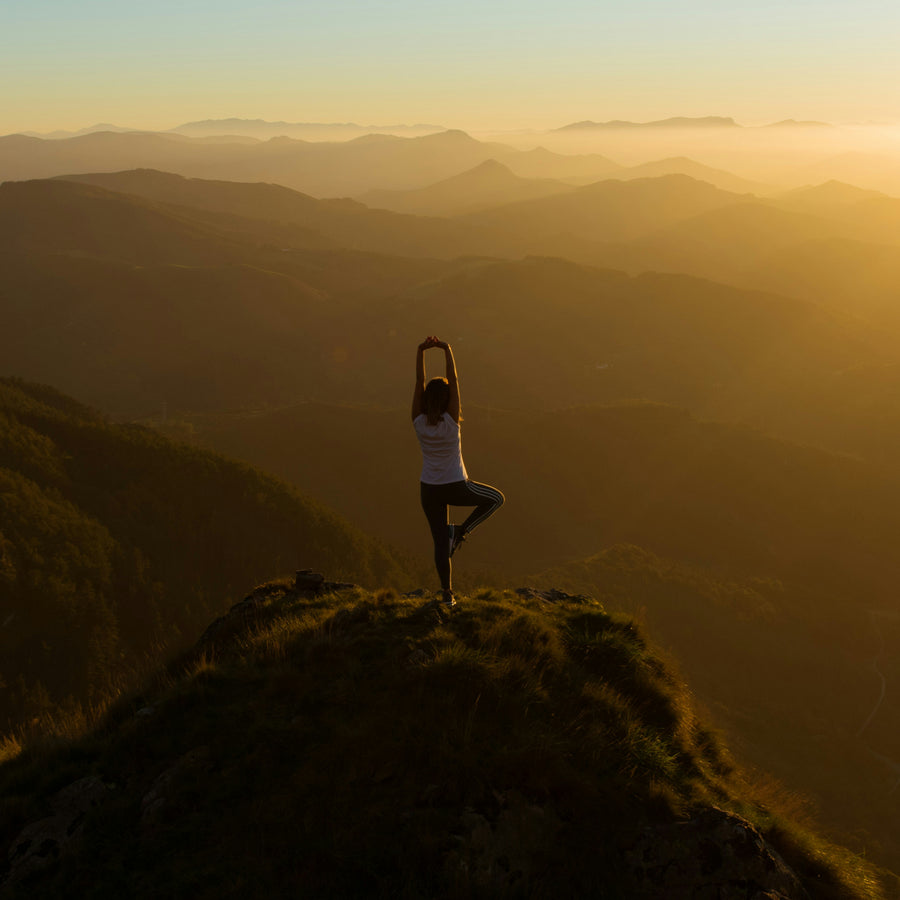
(307, 580)
(499, 855)
(329, 587)
(717, 855)
(45, 840)
(239, 616)
(157, 798)
(551, 596)
(233, 622)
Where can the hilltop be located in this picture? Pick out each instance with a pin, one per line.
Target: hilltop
(357, 744)
(489, 184)
(757, 562)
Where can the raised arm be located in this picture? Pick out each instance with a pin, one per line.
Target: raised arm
(453, 406)
(420, 376)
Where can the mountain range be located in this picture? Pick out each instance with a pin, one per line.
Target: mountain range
(492, 184)
(310, 131)
(673, 122)
(289, 247)
(324, 169)
(373, 161)
(685, 122)
(688, 394)
(141, 282)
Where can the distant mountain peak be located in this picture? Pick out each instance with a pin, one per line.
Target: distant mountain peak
(834, 191)
(674, 122)
(793, 123)
(233, 120)
(313, 131)
(489, 172)
(368, 139)
(60, 134)
(455, 135)
(492, 165)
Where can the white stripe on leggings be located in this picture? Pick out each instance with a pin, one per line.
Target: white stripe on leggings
(489, 493)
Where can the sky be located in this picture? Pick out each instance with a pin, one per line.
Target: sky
(492, 64)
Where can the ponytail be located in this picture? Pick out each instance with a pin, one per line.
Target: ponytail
(436, 399)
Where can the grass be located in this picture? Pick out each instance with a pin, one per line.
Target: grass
(368, 745)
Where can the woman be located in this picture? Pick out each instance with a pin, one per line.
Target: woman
(444, 482)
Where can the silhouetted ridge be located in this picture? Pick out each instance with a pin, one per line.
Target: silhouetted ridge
(491, 166)
(489, 184)
(832, 191)
(794, 123)
(375, 746)
(451, 136)
(69, 217)
(675, 122)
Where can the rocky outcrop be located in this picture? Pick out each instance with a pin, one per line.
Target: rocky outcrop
(155, 802)
(45, 840)
(306, 584)
(501, 855)
(715, 856)
(551, 596)
(307, 581)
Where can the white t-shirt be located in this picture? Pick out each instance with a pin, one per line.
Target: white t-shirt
(442, 461)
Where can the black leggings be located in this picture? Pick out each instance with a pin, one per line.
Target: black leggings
(436, 498)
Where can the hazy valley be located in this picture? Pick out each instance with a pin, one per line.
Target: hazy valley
(683, 375)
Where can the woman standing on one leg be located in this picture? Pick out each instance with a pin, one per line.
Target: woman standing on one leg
(444, 482)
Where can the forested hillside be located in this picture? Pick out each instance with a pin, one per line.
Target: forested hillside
(118, 545)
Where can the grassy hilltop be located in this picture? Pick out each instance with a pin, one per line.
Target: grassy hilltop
(359, 744)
